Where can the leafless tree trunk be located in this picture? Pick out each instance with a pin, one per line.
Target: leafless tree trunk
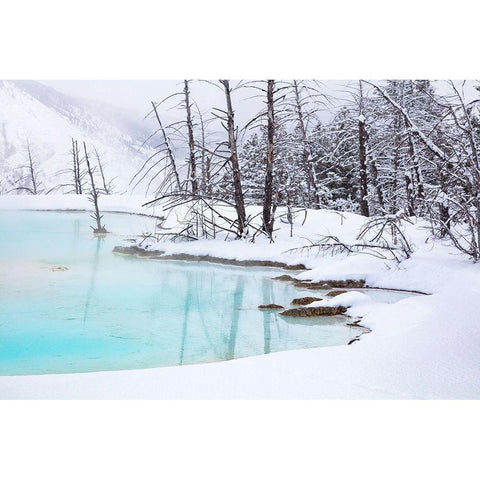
(94, 197)
(79, 174)
(419, 190)
(191, 140)
(268, 200)
(306, 154)
(410, 195)
(204, 161)
(106, 188)
(232, 145)
(77, 180)
(32, 171)
(376, 184)
(396, 163)
(362, 156)
(168, 149)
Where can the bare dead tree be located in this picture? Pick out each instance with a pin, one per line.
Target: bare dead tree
(93, 197)
(32, 172)
(269, 204)
(74, 169)
(236, 178)
(205, 158)
(107, 186)
(362, 154)
(375, 182)
(162, 169)
(381, 237)
(201, 216)
(162, 162)
(76, 172)
(77, 180)
(414, 178)
(30, 181)
(168, 149)
(299, 105)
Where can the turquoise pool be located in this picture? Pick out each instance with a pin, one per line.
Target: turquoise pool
(68, 304)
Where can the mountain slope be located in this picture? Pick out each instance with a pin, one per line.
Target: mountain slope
(46, 119)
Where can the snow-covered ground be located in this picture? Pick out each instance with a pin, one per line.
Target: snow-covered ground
(424, 346)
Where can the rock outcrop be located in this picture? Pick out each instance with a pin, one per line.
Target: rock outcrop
(305, 300)
(335, 293)
(314, 311)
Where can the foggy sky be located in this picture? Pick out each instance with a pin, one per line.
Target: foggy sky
(136, 95)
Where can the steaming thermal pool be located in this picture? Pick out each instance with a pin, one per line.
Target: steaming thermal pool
(68, 304)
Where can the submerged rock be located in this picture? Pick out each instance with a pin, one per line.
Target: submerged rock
(270, 306)
(59, 268)
(334, 293)
(314, 311)
(305, 300)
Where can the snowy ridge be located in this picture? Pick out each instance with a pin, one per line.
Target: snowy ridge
(47, 120)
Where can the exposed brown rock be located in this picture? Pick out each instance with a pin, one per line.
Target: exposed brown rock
(313, 311)
(140, 252)
(345, 283)
(270, 306)
(284, 278)
(328, 284)
(298, 266)
(223, 261)
(334, 293)
(305, 300)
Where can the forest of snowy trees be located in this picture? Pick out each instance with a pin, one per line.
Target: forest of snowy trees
(388, 150)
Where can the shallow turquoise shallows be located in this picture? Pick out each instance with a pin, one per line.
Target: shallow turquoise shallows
(68, 304)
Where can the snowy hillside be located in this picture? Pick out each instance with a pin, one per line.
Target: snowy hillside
(419, 347)
(47, 119)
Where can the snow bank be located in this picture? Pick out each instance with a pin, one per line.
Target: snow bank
(348, 299)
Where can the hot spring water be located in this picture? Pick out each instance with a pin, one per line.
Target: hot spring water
(68, 304)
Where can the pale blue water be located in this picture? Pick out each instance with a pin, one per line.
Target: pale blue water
(110, 312)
